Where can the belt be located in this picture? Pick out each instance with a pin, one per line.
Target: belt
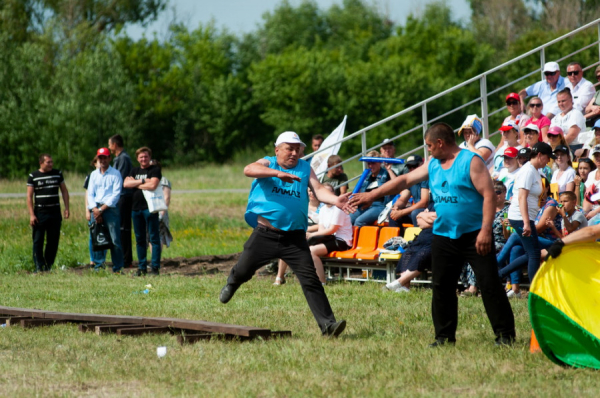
(264, 228)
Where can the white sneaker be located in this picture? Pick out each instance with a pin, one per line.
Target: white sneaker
(512, 294)
(402, 289)
(393, 286)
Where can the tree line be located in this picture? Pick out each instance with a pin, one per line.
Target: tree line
(72, 78)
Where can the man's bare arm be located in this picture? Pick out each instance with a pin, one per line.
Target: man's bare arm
(65, 195)
(482, 181)
(324, 194)
(261, 169)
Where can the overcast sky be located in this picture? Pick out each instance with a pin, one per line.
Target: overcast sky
(244, 15)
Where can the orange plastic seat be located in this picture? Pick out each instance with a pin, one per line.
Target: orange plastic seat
(367, 240)
(385, 234)
(354, 243)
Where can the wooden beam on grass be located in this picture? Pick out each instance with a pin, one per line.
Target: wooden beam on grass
(136, 331)
(32, 323)
(100, 329)
(16, 320)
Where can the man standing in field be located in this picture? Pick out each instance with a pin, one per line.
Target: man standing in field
(463, 194)
(122, 162)
(104, 191)
(43, 204)
(278, 212)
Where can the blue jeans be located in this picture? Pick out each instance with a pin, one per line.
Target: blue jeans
(112, 218)
(510, 252)
(368, 216)
(531, 244)
(146, 224)
(99, 257)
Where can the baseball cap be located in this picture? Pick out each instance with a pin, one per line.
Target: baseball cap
(595, 150)
(543, 148)
(555, 130)
(414, 160)
(289, 137)
(387, 141)
(511, 152)
(561, 148)
(510, 125)
(525, 152)
(103, 152)
(473, 122)
(532, 127)
(551, 67)
(514, 96)
(596, 125)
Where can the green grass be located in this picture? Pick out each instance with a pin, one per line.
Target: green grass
(382, 352)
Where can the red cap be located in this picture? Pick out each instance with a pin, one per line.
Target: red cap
(514, 96)
(103, 152)
(511, 152)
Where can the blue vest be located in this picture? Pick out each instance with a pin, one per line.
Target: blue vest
(284, 205)
(458, 205)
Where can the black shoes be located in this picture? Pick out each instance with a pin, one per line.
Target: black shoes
(227, 293)
(441, 341)
(505, 341)
(141, 272)
(335, 329)
(155, 272)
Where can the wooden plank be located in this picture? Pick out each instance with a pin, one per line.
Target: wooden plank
(89, 327)
(31, 323)
(205, 326)
(100, 329)
(16, 320)
(135, 331)
(22, 312)
(114, 319)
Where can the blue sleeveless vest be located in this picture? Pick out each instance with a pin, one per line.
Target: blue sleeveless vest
(284, 205)
(458, 205)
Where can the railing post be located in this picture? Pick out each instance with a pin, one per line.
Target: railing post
(543, 62)
(599, 43)
(424, 115)
(363, 141)
(484, 105)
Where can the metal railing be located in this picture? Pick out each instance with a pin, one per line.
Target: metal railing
(484, 95)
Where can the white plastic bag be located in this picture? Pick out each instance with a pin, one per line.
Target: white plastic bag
(155, 199)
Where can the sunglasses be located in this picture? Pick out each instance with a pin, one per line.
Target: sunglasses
(549, 73)
(498, 192)
(573, 73)
(552, 135)
(530, 132)
(510, 103)
(535, 105)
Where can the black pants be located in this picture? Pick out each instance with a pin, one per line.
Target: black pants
(292, 247)
(48, 228)
(124, 205)
(448, 258)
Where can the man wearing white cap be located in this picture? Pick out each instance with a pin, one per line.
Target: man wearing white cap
(471, 132)
(546, 90)
(278, 212)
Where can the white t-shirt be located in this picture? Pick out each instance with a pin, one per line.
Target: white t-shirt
(582, 93)
(566, 177)
(572, 118)
(483, 143)
(331, 215)
(527, 178)
(499, 159)
(508, 179)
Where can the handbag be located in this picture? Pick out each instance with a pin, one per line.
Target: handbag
(155, 199)
(385, 213)
(100, 237)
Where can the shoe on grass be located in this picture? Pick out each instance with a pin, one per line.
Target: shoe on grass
(335, 329)
(505, 341)
(402, 289)
(512, 294)
(227, 293)
(155, 272)
(442, 341)
(279, 281)
(393, 286)
(141, 272)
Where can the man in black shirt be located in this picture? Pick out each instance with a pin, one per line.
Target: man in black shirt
(122, 162)
(43, 204)
(145, 177)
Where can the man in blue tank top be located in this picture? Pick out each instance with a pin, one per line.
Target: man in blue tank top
(463, 194)
(278, 212)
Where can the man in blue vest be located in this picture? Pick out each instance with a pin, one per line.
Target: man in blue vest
(278, 212)
(463, 194)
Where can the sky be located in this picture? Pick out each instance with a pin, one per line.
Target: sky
(241, 16)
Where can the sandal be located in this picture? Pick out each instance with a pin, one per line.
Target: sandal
(279, 281)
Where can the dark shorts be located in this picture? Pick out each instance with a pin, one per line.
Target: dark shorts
(331, 243)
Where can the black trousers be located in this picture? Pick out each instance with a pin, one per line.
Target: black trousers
(124, 205)
(48, 229)
(292, 247)
(448, 258)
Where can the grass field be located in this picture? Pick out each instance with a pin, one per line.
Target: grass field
(382, 353)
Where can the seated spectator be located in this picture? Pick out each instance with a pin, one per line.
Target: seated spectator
(572, 219)
(531, 135)
(379, 176)
(581, 88)
(510, 137)
(592, 110)
(584, 151)
(471, 130)
(570, 120)
(417, 256)
(333, 234)
(336, 176)
(517, 116)
(509, 171)
(556, 137)
(403, 211)
(584, 168)
(591, 205)
(388, 150)
(564, 175)
(538, 118)
(546, 89)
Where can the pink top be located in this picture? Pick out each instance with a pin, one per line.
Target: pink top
(541, 122)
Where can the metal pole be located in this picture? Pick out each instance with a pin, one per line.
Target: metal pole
(363, 139)
(599, 43)
(542, 62)
(424, 115)
(484, 105)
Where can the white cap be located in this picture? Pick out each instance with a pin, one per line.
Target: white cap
(533, 127)
(551, 67)
(595, 150)
(289, 137)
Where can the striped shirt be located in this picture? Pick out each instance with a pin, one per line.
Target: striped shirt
(45, 189)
